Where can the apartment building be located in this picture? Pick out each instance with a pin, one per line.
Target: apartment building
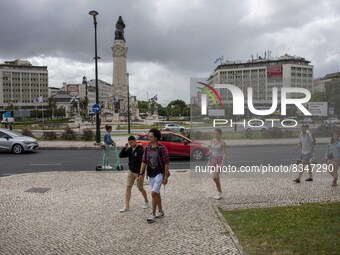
(23, 85)
(262, 75)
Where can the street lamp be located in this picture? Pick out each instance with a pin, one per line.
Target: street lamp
(94, 14)
(128, 101)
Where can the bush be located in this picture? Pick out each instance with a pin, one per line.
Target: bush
(27, 132)
(50, 135)
(274, 132)
(199, 135)
(326, 131)
(248, 135)
(68, 134)
(88, 134)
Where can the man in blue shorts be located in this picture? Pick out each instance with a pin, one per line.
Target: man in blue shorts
(306, 145)
(156, 162)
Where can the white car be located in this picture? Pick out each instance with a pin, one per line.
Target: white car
(255, 126)
(173, 128)
(16, 142)
(332, 121)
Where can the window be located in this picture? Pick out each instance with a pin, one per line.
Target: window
(177, 139)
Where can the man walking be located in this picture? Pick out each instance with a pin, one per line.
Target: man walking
(306, 145)
(156, 162)
(135, 154)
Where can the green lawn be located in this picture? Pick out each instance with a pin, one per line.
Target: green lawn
(312, 229)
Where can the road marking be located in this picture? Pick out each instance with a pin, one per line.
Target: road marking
(45, 164)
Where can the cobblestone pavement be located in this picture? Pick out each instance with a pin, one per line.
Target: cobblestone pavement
(79, 214)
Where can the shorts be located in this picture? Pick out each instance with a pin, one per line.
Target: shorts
(216, 161)
(156, 183)
(306, 156)
(131, 177)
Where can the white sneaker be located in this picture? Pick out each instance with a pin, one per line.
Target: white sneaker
(109, 167)
(218, 196)
(151, 218)
(125, 209)
(159, 214)
(146, 206)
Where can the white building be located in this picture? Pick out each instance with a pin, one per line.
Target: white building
(262, 75)
(23, 84)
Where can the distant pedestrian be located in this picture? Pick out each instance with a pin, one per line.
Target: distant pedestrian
(156, 163)
(134, 152)
(306, 148)
(107, 143)
(332, 157)
(218, 153)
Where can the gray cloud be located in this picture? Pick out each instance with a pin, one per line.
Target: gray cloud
(176, 38)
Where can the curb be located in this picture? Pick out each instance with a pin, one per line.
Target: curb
(230, 231)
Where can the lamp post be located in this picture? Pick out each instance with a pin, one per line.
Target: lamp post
(128, 101)
(94, 14)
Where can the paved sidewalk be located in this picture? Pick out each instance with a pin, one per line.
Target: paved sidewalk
(79, 214)
(121, 140)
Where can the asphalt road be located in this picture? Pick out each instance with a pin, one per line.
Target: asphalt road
(87, 160)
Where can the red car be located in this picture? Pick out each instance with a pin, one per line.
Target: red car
(178, 145)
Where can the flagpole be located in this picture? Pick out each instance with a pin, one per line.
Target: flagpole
(42, 110)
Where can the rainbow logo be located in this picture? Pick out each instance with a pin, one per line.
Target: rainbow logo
(208, 89)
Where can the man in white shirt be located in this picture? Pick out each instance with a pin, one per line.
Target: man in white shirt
(306, 145)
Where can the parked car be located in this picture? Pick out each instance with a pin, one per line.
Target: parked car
(173, 128)
(178, 145)
(307, 120)
(331, 121)
(255, 126)
(16, 142)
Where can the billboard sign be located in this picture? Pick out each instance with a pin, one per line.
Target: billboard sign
(318, 108)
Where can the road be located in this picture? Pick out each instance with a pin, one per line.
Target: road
(86, 160)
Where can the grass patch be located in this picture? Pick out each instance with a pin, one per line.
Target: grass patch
(312, 229)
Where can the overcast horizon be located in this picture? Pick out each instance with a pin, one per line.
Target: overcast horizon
(169, 41)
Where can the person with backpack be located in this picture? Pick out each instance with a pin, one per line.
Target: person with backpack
(306, 146)
(134, 152)
(156, 163)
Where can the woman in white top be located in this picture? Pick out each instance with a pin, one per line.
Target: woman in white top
(218, 151)
(333, 157)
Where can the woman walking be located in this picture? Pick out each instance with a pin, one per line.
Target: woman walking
(218, 152)
(107, 142)
(333, 157)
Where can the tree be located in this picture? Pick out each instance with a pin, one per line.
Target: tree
(332, 90)
(83, 105)
(142, 106)
(319, 96)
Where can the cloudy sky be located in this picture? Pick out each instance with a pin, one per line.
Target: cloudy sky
(170, 41)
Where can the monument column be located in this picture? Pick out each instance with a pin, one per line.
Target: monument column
(119, 54)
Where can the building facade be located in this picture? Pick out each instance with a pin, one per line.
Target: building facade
(23, 85)
(262, 75)
(319, 84)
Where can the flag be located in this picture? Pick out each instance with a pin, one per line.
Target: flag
(39, 99)
(75, 99)
(219, 59)
(153, 99)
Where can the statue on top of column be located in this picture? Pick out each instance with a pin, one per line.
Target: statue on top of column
(119, 33)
